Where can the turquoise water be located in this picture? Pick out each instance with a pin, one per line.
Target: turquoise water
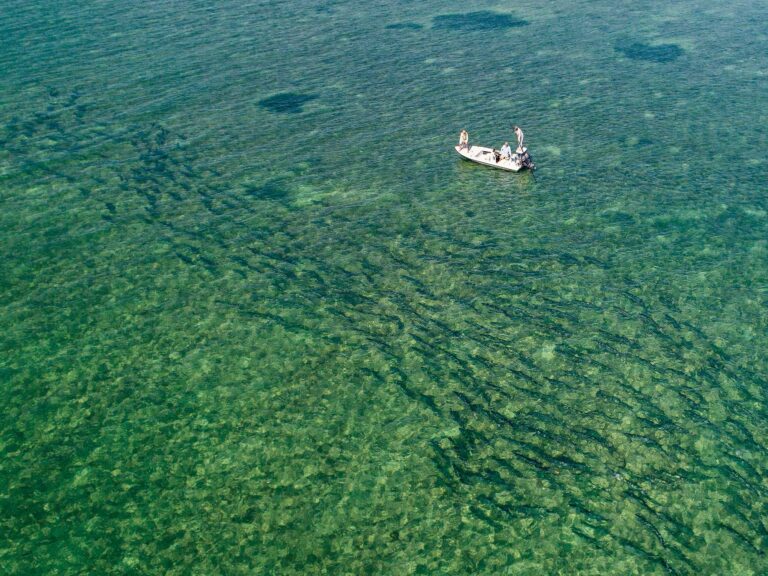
(259, 318)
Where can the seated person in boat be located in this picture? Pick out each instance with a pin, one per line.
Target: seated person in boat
(463, 140)
(497, 155)
(506, 151)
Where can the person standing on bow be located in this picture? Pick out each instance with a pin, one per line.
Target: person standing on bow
(519, 134)
(463, 140)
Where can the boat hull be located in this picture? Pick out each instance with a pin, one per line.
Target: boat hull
(486, 157)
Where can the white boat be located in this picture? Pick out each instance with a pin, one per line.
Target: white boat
(492, 158)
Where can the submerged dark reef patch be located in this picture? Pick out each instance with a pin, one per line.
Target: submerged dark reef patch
(271, 190)
(481, 20)
(404, 26)
(286, 102)
(659, 53)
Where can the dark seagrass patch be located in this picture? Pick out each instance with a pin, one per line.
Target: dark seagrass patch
(481, 20)
(660, 53)
(404, 26)
(287, 102)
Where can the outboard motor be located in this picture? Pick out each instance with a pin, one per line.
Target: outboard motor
(526, 160)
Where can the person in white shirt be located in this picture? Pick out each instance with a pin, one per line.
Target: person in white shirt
(463, 140)
(519, 134)
(506, 151)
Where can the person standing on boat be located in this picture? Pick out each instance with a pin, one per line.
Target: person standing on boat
(463, 140)
(506, 151)
(519, 134)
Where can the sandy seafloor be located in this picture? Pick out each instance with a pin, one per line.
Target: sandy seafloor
(259, 318)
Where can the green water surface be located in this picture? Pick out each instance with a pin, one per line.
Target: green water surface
(259, 318)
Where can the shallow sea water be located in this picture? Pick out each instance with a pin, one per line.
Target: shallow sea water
(259, 318)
